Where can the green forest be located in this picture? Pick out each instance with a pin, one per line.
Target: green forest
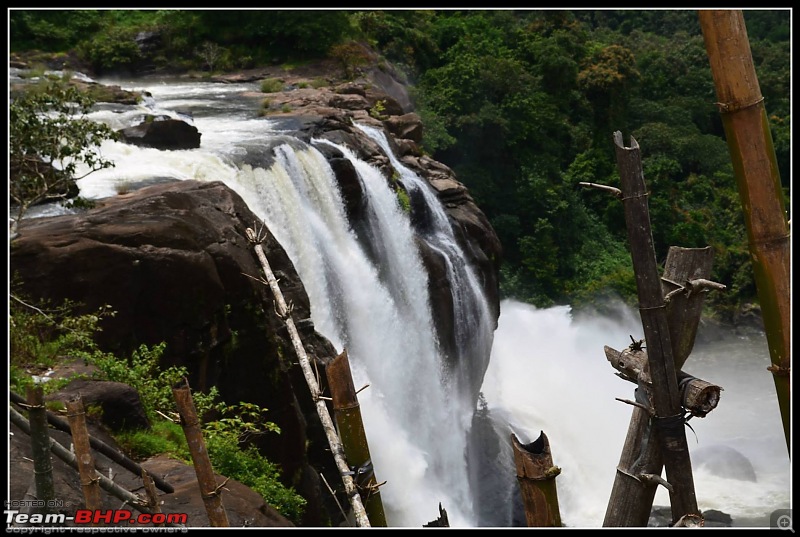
(522, 105)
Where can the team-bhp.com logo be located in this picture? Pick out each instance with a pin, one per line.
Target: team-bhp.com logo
(87, 517)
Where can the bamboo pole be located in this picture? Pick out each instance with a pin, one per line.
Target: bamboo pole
(746, 126)
(98, 445)
(206, 480)
(40, 448)
(68, 457)
(347, 413)
(665, 398)
(83, 452)
(322, 410)
(537, 474)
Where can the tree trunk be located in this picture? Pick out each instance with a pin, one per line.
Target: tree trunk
(744, 119)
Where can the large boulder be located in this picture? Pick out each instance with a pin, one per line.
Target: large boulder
(168, 134)
(174, 262)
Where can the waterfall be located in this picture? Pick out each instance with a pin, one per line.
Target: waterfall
(473, 326)
(369, 294)
(379, 312)
(368, 287)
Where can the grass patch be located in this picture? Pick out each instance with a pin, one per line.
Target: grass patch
(164, 437)
(271, 85)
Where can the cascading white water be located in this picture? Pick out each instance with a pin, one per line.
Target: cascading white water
(379, 312)
(548, 373)
(388, 332)
(474, 327)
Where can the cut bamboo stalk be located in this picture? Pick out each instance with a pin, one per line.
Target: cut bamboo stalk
(685, 307)
(68, 457)
(698, 396)
(83, 452)
(744, 119)
(40, 448)
(665, 398)
(210, 491)
(632, 494)
(347, 413)
(536, 475)
(322, 410)
(98, 445)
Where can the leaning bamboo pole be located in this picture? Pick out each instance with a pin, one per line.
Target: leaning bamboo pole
(98, 445)
(68, 457)
(347, 413)
(665, 397)
(206, 480)
(322, 410)
(83, 451)
(746, 126)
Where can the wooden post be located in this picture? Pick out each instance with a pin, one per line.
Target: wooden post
(98, 445)
(685, 303)
(665, 398)
(347, 412)
(536, 474)
(150, 490)
(322, 410)
(83, 452)
(40, 448)
(209, 490)
(68, 457)
(744, 119)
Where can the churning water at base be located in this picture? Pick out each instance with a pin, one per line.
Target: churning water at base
(547, 371)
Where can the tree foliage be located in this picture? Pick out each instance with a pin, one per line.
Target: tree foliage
(50, 136)
(522, 105)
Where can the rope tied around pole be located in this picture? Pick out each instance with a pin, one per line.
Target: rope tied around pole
(635, 196)
(735, 106)
(217, 491)
(92, 481)
(641, 308)
(779, 371)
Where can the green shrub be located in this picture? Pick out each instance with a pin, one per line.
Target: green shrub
(154, 385)
(249, 467)
(111, 50)
(271, 85)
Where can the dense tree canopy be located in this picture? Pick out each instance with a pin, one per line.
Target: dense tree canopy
(522, 105)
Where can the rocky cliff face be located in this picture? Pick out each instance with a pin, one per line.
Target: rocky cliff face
(173, 261)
